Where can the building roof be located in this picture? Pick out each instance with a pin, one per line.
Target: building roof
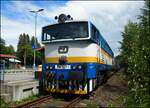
(7, 56)
(14, 60)
(40, 49)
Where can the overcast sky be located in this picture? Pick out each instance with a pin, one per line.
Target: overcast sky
(110, 17)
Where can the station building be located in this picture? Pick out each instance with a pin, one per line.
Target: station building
(9, 62)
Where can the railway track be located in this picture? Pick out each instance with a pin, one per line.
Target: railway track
(46, 98)
(73, 102)
(34, 102)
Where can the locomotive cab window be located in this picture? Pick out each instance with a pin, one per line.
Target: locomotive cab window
(44, 36)
(70, 30)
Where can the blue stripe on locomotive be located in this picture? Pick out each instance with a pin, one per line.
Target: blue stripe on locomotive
(90, 69)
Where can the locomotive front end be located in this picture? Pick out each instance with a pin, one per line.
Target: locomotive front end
(76, 56)
(66, 57)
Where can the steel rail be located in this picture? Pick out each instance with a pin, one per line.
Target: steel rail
(73, 102)
(34, 102)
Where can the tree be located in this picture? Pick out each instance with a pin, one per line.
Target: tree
(128, 46)
(35, 42)
(25, 50)
(6, 49)
(2, 46)
(9, 50)
(2, 41)
(23, 40)
(136, 52)
(143, 67)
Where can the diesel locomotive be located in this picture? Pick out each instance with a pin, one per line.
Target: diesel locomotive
(76, 57)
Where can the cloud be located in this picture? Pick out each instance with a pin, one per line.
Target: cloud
(110, 17)
(11, 28)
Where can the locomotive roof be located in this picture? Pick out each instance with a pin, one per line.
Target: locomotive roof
(65, 22)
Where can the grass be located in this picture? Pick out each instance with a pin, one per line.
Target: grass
(3, 104)
(28, 99)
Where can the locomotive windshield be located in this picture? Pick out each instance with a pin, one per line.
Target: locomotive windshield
(70, 30)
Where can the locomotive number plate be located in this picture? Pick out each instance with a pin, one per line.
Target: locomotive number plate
(62, 67)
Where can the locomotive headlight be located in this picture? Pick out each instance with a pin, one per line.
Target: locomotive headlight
(74, 67)
(79, 67)
(51, 67)
(47, 67)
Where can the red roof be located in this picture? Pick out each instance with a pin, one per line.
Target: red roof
(7, 56)
(40, 49)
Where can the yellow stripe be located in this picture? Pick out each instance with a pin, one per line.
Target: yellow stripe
(75, 60)
(66, 91)
(105, 53)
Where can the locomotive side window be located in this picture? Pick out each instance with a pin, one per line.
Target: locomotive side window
(48, 37)
(45, 36)
(94, 33)
(63, 49)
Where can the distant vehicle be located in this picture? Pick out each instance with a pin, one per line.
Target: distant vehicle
(38, 72)
(39, 68)
(77, 57)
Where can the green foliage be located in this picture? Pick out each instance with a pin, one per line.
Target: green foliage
(34, 41)
(130, 36)
(6, 49)
(9, 49)
(3, 104)
(110, 105)
(2, 49)
(25, 51)
(2, 41)
(136, 54)
(28, 99)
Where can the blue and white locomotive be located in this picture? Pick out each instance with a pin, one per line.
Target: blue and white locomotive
(76, 57)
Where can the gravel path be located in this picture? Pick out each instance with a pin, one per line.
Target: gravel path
(111, 92)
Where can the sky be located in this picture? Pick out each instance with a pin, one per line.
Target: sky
(109, 17)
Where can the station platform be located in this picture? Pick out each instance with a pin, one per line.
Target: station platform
(18, 85)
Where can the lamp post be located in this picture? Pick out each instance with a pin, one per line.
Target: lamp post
(35, 12)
